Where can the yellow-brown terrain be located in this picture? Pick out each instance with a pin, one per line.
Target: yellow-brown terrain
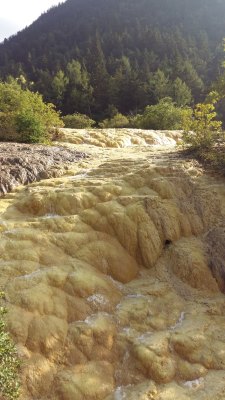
(114, 274)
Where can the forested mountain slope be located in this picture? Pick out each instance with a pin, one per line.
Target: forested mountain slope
(90, 55)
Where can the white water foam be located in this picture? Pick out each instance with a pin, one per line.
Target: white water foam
(91, 319)
(144, 337)
(179, 322)
(194, 384)
(32, 275)
(97, 299)
(119, 393)
(136, 296)
(50, 216)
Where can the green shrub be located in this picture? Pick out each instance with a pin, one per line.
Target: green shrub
(7, 126)
(24, 117)
(134, 120)
(9, 364)
(117, 121)
(30, 128)
(202, 131)
(78, 121)
(164, 116)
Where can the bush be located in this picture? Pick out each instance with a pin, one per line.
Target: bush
(201, 129)
(164, 115)
(117, 121)
(78, 121)
(24, 117)
(30, 128)
(7, 127)
(9, 364)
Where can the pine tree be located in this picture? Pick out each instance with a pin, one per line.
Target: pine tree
(99, 76)
(78, 93)
(160, 86)
(181, 93)
(59, 86)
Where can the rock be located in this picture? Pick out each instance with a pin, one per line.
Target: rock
(215, 242)
(84, 382)
(26, 163)
(108, 275)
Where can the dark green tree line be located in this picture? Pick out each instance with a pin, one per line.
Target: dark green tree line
(86, 56)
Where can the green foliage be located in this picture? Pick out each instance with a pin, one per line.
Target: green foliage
(188, 73)
(117, 121)
(164, 115)
(160, 85)
(213, 97)
(181, 93)
(78, 121)
(132, 54)
(30, 128)
(76, 96)
(201, 129)
(99, 75)
(9, 363)
(218, 88)
(58, 85)
(24, 117)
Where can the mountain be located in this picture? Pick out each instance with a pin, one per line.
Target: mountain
(93, 56)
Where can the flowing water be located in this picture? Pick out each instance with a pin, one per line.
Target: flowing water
(113, 274)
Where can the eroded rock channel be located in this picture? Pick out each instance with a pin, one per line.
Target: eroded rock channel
(113, 275)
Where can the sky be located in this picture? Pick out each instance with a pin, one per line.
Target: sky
(17, 14)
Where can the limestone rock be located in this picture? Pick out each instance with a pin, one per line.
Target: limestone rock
(113, 273)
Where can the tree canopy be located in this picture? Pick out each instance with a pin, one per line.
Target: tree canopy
(24, 117)
(88, 55)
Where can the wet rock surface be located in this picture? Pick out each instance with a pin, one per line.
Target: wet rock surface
(118, 138)
(108, 277)
(25, 163)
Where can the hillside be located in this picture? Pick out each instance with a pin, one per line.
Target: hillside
(90, 55)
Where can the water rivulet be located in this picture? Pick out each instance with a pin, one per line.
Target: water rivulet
(114, 274)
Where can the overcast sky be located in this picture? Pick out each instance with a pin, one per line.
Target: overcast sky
(17, 14)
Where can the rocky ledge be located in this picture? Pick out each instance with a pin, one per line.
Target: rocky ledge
(26, 163)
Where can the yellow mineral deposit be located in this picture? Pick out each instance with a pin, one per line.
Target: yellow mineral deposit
(113, 283)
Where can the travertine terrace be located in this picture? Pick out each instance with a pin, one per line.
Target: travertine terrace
(114, 274)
